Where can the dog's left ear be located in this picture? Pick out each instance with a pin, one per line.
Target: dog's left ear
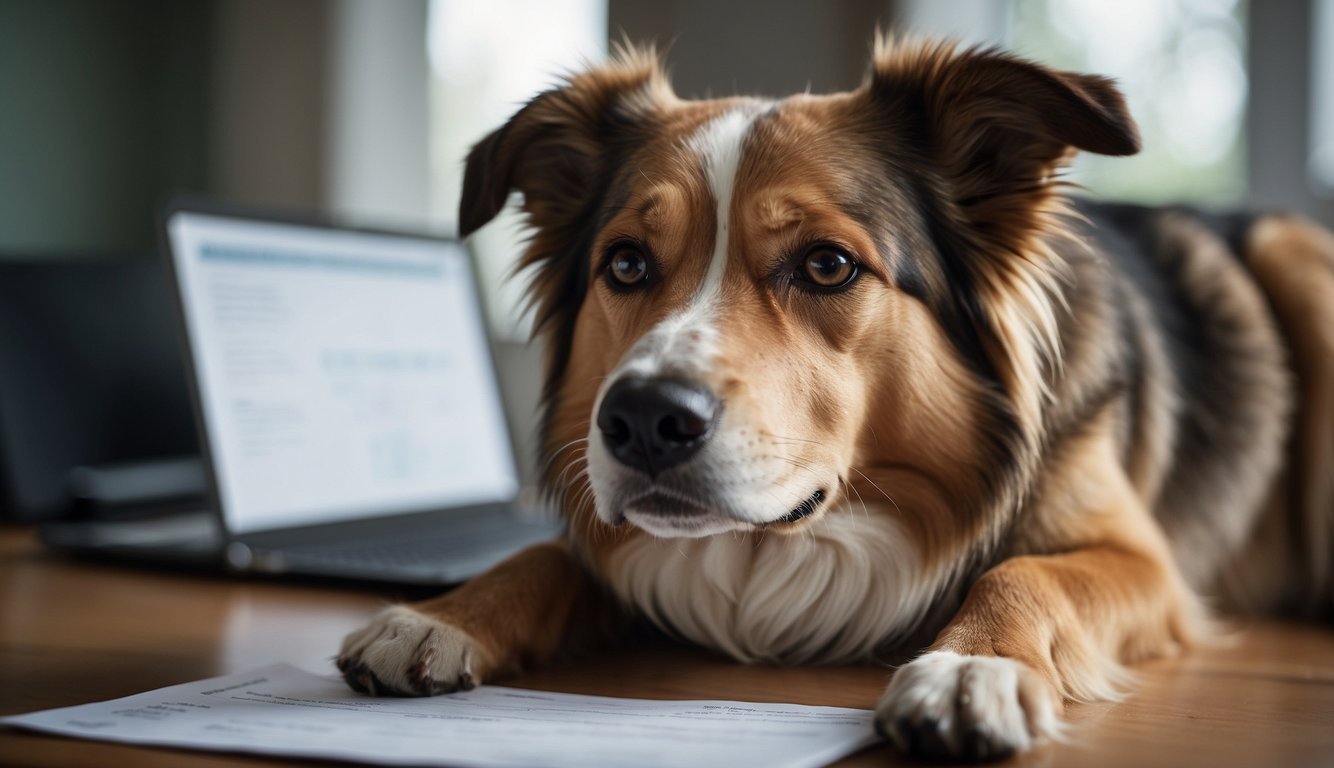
(994, 124)
(555, 148)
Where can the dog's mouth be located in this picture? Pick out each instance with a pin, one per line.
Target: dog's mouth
(660, 502)
(668, 512)
(805, 509)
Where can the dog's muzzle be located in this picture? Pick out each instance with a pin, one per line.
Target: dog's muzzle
(653, 424)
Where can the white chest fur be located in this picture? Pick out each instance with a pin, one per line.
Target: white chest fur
(836, 591)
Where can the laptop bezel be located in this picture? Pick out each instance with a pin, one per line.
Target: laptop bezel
(261, 540)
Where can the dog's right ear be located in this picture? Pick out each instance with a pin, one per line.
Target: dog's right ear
(555, 147)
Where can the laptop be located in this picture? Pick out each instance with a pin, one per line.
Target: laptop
(346, 398)
(86, 399)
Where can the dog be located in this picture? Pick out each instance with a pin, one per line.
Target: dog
(851, 377)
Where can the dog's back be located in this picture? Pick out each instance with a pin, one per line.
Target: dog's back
(1228, 351)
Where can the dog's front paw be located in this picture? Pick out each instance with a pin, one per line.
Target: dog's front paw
(943, 705)
(405, 653)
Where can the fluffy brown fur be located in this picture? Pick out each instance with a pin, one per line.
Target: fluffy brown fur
(1022, 436)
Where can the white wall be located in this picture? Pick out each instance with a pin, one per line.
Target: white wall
(376, 147)
(760, 47)
(269, 102)
(1279, 113)
(323, 105)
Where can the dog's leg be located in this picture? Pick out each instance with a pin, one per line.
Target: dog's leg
(523, 611)
(1293, 566)
(1033, 631)
(1038, 629)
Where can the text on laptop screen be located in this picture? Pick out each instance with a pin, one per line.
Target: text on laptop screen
(340, 374)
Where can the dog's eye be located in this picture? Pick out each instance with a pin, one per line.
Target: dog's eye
(827, 267)
(627, 267)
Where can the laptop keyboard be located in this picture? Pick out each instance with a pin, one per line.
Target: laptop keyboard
(426, 554)
(398, 550)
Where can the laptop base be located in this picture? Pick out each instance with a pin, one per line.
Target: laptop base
(446, 555)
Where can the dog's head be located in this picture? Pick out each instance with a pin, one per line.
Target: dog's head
(754, 307)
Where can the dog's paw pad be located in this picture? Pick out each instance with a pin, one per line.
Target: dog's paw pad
(405, 653)
(944, 705)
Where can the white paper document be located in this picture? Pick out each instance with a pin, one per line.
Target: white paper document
(282, 710)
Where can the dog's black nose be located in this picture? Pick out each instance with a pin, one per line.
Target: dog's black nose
(654, 424)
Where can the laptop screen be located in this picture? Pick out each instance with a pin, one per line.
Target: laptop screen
(340, 374)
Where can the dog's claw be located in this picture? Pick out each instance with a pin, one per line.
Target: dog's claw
(406, 653)
(944, 705)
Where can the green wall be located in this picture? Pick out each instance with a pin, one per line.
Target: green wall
(102, 112)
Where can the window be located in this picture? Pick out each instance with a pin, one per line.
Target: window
(487, 60)
(1322, 98)
(1181, 65)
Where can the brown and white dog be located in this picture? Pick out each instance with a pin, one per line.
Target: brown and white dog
(845, 376)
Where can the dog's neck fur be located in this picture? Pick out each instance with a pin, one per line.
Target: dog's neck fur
(847, 587)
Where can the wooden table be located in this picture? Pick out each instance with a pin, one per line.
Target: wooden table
(74, 632)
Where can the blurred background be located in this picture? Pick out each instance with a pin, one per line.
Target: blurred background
(365, 108)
